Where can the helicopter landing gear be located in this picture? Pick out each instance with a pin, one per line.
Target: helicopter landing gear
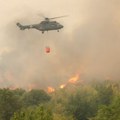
(57, 30)
(42, 32)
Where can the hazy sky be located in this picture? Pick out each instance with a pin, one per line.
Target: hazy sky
(88, 44)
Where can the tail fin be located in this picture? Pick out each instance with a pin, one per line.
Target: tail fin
(20, 26)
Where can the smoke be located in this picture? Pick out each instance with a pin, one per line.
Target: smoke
(88, 44)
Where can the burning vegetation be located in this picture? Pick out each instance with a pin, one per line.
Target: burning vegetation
(62, 86)
(50, 89)
(73, 80)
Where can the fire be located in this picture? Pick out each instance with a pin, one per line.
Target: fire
(50, 90)
(31, 86)
(62, 86)
(74, 79)
(13, 87)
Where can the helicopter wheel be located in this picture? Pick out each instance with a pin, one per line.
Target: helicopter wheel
(42, 32)
(57, 30)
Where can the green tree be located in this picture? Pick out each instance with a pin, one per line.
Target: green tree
(110, 112)
(104, 93)
(35, 97)
(33, 113)
(19, 92)
(62, 117)
(82, 104)
(9, 103)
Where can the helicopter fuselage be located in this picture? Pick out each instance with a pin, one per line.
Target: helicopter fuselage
(43, 26)
(49, 25)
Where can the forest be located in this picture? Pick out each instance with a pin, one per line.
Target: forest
(91, 101)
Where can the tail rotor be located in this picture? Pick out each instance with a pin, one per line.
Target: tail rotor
(20, 26)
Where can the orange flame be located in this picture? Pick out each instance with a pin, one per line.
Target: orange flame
(13, 87)
(50, 90)
(62, 86)
(74, 79)
(31, 86)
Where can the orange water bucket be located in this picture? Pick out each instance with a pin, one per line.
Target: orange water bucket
(47, 49)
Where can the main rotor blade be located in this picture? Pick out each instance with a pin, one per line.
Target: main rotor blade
(41, 15)
(58, 17)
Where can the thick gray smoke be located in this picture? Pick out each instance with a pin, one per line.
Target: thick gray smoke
(91, 48)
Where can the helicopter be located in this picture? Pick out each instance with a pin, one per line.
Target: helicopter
(46, 25)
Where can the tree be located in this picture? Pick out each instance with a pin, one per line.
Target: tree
(9, 103)
(33, 113)
(104, 93)
(110, 112)
(62, 117)
(82, 104)
(19, 92)
(35, 97)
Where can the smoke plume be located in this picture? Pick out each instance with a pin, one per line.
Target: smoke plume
(89, 44)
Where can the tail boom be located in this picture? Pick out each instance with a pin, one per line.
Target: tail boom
(24, 27)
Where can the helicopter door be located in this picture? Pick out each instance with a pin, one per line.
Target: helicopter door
(53, 26)
(46, 26)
